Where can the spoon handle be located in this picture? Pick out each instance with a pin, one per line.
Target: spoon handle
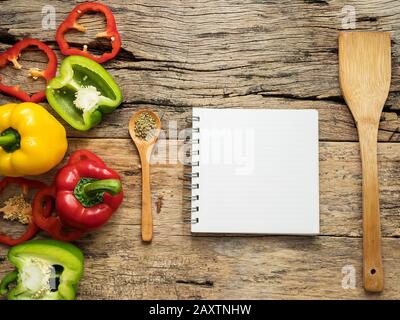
(147, 217)
(373, 270)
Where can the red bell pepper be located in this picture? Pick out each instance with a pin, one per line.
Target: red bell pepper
(52, 224)
(12, 55)
(25, 185)
(70, 22)
(88, 192)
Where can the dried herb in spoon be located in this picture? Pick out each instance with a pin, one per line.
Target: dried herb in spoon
(145, 126)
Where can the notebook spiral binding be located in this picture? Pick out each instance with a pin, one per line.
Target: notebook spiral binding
(192, 177)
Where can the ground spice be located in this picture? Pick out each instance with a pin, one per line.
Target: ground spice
(16, 208)
(145, 125)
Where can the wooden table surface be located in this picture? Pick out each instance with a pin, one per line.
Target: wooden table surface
(238, 54)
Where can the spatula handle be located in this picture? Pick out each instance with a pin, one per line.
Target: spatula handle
(147, 216)
(373, 270)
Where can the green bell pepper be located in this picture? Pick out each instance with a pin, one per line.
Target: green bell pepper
(82, 92)
(45, 270)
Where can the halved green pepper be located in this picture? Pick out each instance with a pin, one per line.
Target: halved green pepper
(82, 92)
(45, 270)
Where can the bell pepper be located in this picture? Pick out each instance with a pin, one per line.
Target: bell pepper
(82, 92)
(86, 194)
(25, 185)
(70, 22)
(12, 55)
(32, 141)
(45, 270)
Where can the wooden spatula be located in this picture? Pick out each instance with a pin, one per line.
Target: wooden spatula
(365, 73)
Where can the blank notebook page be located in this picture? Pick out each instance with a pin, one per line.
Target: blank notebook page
(257, 171)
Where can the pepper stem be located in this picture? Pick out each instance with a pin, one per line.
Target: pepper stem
(7, 140)
(112, 186)
(90, 192)
(10, 140)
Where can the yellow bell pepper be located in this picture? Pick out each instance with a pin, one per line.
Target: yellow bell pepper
(32, 141)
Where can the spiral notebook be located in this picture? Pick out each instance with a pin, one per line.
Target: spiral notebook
(254, 172)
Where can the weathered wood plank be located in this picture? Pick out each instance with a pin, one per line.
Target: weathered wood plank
(118, 266)
(335, 120)
(253, 268)
(340, 185)
(245, 54)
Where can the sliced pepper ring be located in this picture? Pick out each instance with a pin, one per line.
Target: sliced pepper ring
(12, 54)
(32, 229)
(44, 219)
(70, 23)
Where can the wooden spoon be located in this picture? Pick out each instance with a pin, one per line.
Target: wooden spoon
(365, 73)
(145, 148)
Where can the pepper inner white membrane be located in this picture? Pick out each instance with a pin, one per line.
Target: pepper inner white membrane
(87, 98)
(38, 277)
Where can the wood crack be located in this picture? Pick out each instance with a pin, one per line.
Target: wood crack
(171, 67)
(333, 99)
(317, 2)
(7, 38)
(161, 102)
(206, 283)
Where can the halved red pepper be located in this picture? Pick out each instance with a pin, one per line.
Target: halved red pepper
(70, 22)
(12, 54)
(25, 185)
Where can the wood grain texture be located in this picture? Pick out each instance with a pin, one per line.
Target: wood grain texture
(226, 54)
(250, 54)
